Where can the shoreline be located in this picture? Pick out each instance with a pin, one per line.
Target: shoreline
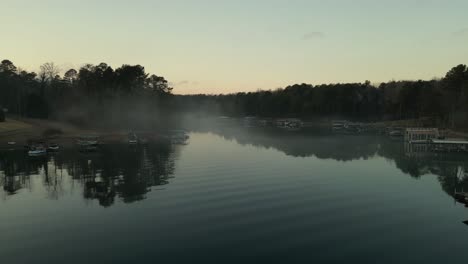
(21, 130)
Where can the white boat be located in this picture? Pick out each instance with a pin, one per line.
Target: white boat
(88, 141)
(37, 151)
(396, 133)
(132, 139)
(53, 147)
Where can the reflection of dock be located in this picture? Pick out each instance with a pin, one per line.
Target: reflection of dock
(435, 146)
(426, 152)
(417, 150)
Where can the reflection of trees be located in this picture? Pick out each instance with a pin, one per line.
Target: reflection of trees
(415, 161)
(303, 144)
(15, 170)
(115, 170)
(141, 168)
(129, 173)
(53, 179)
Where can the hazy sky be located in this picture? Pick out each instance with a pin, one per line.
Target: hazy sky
(219, 46)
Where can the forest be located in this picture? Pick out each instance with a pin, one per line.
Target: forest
(95, 93)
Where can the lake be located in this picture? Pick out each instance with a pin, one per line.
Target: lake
(235, 196)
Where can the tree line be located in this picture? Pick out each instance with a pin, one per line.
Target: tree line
(97, 92)
(444, 101)
(93, 92)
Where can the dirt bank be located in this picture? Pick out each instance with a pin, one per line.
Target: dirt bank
(20, 130)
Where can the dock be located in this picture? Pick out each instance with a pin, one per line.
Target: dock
(449, 145)
(420, 135)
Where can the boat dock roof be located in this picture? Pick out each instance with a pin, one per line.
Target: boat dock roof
(450, 141)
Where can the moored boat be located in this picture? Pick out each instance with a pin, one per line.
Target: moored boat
(37, 151)
(53, 148)
(133, 139)
(88, 140)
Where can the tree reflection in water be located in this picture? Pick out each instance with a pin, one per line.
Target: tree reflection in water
(413, 160)
(114, 171)
(129, 172)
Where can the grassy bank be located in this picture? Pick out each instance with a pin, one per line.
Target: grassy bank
(20, 130)
(13, 126)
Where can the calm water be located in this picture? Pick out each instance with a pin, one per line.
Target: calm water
(235, 197)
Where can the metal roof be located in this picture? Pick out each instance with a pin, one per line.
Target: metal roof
(422, 129)
(442, 141)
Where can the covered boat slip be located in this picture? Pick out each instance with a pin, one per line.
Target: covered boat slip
(449, 145)
(429, 139)
(421, 135)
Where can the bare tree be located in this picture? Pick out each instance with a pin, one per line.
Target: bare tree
(47, 72)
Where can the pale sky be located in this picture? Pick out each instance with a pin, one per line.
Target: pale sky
(221, 46)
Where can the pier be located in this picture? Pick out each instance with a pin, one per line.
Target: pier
(449, 145)
(421, 135)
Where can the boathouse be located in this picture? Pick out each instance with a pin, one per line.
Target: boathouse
(421, 135)
(449, 145)
(288, 123)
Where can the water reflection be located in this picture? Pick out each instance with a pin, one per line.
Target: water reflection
(114, 171)
(414, 160)
(129, 173)
(227, 196)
